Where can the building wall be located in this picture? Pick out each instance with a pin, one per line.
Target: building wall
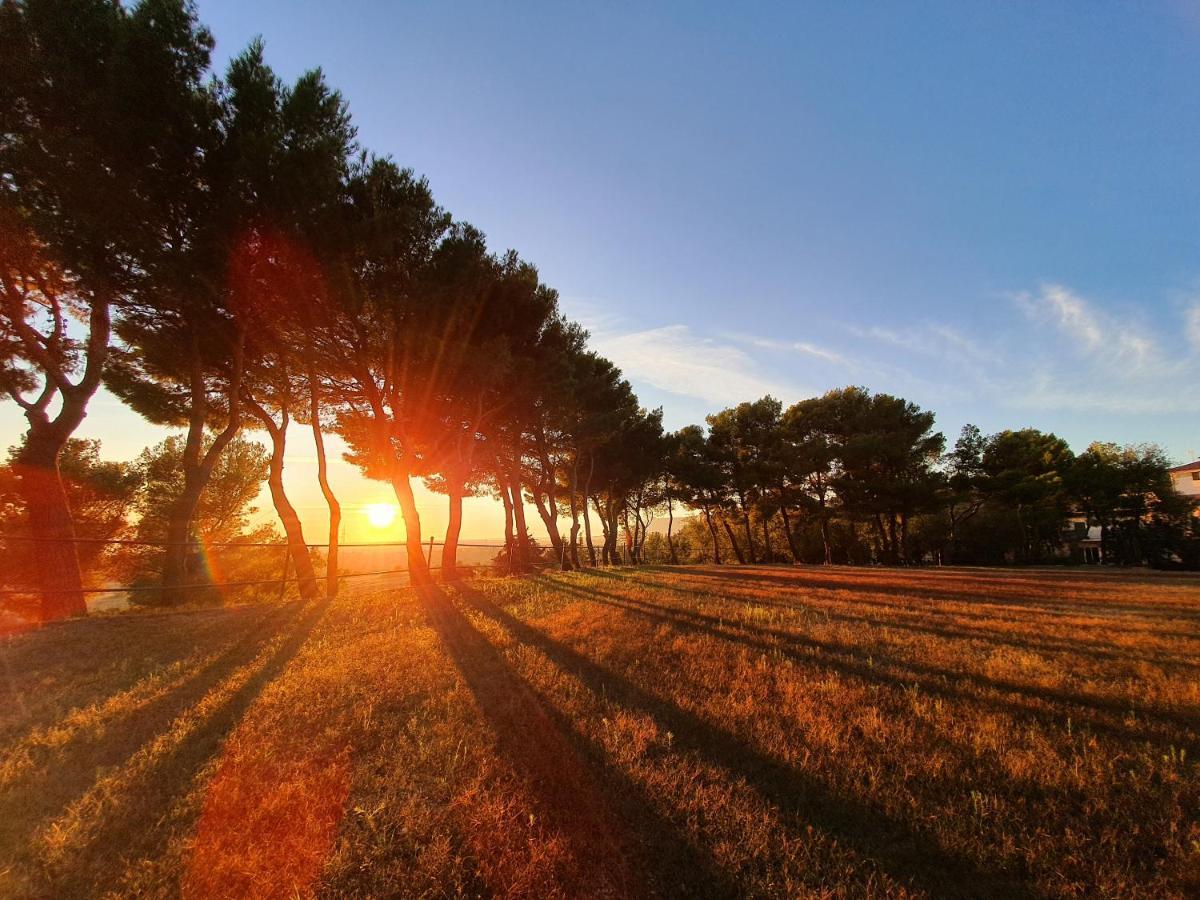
(1185, 484)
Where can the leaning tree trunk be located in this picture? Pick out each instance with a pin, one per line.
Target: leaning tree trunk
(749, 532)
(825, 541)
(575, 511)
(768, 554)
(587, 519)
(670, 525)
(335, 508)
(787, 528)
(454, 491)
(546, 507)
(198, 465)
(712, 530)
(524, 551)
(506, 499)
(418, 568)
(737, 551)
(49, 514)
(297, 547)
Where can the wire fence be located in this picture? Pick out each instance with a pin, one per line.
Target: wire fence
(282, 581)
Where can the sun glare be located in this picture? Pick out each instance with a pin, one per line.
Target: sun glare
(381, 515)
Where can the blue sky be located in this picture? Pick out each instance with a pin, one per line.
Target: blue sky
(991, 209)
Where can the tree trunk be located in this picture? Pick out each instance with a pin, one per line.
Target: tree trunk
(40, 484)
(749, 533)
(50, 520)
(787, 529)
(454, 492)
(198, 465)
(893, 543)
(297, 546)
(884, 552)
(575, 511)
(335, 508)
(587, 519)
(524, 551)
(550, 520)
(737, 551)
(825, 531)
(509, 541)
(670, 526)
(768, 555)
(418, 568)
(712, 529)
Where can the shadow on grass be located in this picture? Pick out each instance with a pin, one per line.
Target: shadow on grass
(577, 793)
(129, 820)
(905, 854)
(1086, 645)
(927, 586)
(1100, 715)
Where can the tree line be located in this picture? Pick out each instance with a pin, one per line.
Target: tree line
(224, 256)
(857, 477)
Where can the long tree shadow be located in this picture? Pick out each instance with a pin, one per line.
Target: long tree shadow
(1084, 646)
(1099, 714)
(577, 792)
(907, 855)
(130, 821)
(1032, 600)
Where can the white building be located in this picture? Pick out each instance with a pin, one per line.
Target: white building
(1187, 479)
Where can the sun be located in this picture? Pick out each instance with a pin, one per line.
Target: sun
(380, 515)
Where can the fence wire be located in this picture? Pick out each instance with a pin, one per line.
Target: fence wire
(282, 582)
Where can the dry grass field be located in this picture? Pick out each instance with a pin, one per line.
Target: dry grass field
(694, 732)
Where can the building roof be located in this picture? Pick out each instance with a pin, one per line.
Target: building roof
(1187, 467)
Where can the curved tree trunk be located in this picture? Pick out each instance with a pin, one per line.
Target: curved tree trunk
(587, 519)
(454, 492)
(768, 554)
(670, 526)
(827, 545)
(506, 499)
(574, 548)
(787, 528)
(712, 529)
(749, 532)
(50, 520)
(418, 568)
(198, 464)
(335, 508)
(40, 484)
(737, 551)
(524, 551)
(297, 546)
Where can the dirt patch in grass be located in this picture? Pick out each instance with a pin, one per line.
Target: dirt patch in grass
(661, 732)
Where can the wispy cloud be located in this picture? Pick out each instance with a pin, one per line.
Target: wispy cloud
(803, 348)
(674, 359)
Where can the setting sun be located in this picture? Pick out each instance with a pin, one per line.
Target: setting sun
(381, 515)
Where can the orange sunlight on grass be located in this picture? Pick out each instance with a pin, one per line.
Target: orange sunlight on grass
(710, 731)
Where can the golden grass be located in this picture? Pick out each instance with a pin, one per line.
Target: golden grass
(662, 732)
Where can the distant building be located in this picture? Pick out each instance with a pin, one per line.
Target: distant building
(1187, 479)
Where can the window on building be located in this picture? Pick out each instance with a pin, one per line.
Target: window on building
(1196, 476)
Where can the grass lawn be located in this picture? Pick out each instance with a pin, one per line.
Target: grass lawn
(672, 732)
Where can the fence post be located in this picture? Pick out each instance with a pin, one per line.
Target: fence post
(429, 561)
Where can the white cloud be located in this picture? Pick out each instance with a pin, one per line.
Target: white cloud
(804, 348)
(673, 359)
